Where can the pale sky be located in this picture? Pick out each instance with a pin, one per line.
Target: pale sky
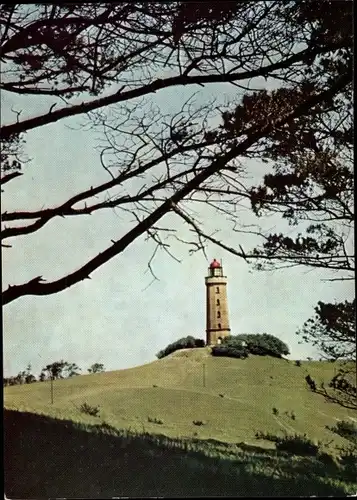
(112, 318)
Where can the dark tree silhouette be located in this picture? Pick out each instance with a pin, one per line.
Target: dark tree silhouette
(300, 124)
(60, 369)
(333, 331)
(96, 368)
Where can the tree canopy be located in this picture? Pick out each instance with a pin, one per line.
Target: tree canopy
(96, 368)
(60, 369)
(332, 330)
(291, 65)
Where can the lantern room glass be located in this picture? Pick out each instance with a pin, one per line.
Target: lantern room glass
(215, 272)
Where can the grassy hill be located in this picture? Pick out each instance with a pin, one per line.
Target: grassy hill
(232, 398)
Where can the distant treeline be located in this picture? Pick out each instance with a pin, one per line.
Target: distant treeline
(53, 371)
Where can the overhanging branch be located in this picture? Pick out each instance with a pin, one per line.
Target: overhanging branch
(37, 287)
(144, 195)
(21, 126)
(9, 177)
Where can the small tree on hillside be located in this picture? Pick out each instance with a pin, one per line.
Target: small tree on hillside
(333, 331)
(71, 370)
(96, 368)
(29, 377)
(61, 369)
(23, 377)
(20, 377)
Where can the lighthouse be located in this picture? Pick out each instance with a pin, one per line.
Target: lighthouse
(217, 326)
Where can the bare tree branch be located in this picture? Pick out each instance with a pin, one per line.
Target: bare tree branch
(8, 130)
(111, 54)
(38, 287)
(9, 177)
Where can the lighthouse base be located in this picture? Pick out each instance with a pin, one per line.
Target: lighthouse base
(215, 337)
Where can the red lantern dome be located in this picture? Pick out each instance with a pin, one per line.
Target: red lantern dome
(215, 264)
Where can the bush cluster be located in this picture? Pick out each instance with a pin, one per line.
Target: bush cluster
(89, 410)
(348, 461)
(154, 420)
(240, 346)
(267, 436)
(229, 351)
(347, 430)
(296, 444)
(310, 382)
(184, 343)
(198, 422)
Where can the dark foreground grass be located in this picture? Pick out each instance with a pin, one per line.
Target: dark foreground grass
(45, 457)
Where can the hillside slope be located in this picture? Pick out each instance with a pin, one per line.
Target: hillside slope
(233, 398)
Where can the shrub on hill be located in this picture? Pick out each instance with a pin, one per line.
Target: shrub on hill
(183, 343)
(348, 461)
(89, 410)
(345, 429)
(154, 420)
(240, 346)
(296, 444)
(229, 351)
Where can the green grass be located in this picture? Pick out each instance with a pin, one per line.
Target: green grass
(47, 457)
(235, 402)
(251, 388)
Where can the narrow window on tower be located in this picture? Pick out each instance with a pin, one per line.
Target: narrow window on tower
(218, 302)
(218, 314)
(217, 289)
(219, 326)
